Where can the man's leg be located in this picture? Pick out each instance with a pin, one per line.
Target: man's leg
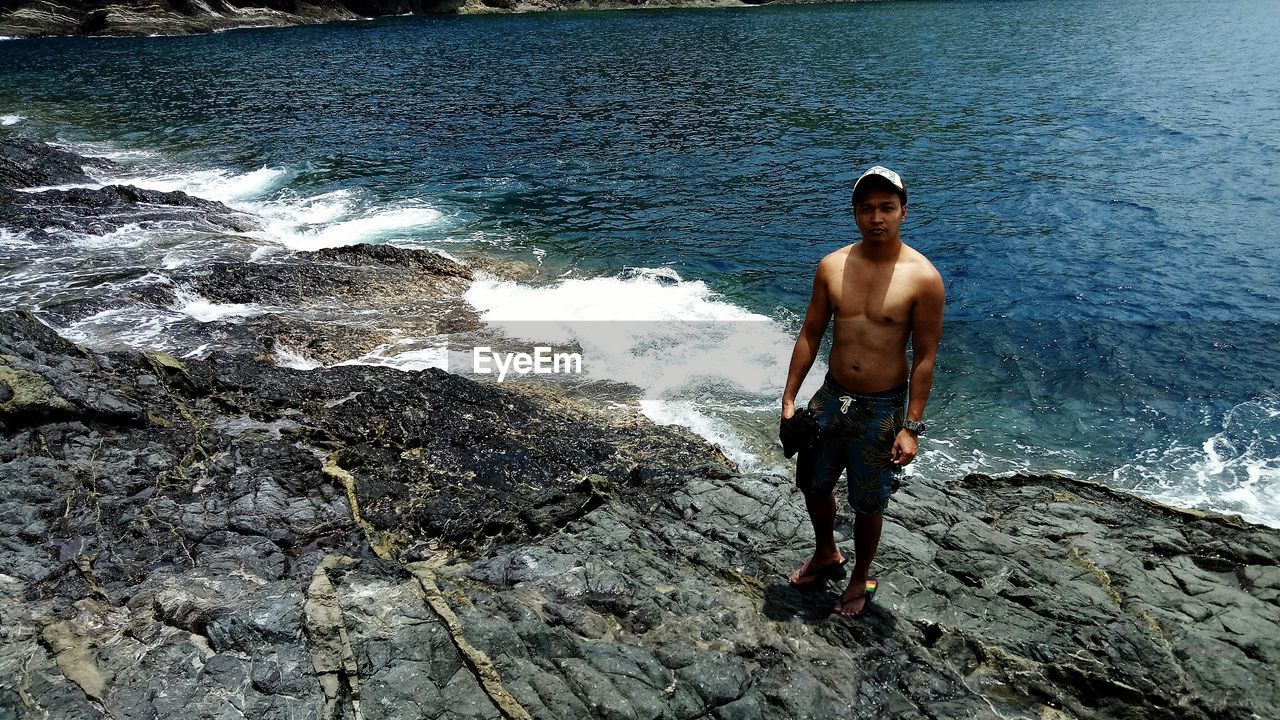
(816, 479)
(822, 513)
(866, 539)
(872, 480)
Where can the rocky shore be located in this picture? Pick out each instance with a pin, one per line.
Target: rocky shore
(119, 18)
(225, 538)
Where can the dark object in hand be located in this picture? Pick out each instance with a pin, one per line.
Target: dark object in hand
(799, 432)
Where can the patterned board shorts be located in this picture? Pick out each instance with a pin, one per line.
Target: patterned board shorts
(858, 430)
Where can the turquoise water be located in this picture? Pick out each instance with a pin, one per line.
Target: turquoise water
(1096, 181)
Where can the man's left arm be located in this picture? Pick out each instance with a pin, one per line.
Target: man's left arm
(926, 332)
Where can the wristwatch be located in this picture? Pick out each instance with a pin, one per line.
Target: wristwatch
(915, 426)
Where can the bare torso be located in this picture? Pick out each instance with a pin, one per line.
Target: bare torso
(871, 304)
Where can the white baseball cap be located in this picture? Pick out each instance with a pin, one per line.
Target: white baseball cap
(885, 173)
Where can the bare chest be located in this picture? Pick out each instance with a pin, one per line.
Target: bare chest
(877, 299)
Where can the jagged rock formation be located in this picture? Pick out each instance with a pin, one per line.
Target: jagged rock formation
(225, 538)
(26, 163)
(98, 211)
(49, 216)
(36, 18)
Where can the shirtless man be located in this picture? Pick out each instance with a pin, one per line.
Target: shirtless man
(881, 292)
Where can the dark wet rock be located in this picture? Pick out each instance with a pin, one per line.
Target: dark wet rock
(53, 216)
(324, 343)
(103, 210)
(293, 283)
(362, 255)
(329, 294)
(25, 163)
(359, 541)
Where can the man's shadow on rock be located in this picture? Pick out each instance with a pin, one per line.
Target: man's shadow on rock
(813, 605)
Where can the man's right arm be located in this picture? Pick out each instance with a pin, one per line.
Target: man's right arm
(811, 332)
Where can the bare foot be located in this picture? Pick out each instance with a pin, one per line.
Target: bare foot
(854, 600)
(816, 567)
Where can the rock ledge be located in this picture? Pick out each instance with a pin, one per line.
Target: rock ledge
(226, 538)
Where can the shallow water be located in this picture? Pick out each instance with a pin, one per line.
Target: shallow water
(1096, 182)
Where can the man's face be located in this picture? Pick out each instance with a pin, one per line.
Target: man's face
(879, 214)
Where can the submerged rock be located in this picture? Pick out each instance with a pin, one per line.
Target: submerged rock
(225, 537)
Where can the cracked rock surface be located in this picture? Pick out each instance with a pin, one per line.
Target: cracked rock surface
(223, 538)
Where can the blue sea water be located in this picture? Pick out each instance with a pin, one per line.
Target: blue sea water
(1096, 181)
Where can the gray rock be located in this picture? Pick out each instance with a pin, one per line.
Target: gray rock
(25, 164)
(52, 216)
(225, 538)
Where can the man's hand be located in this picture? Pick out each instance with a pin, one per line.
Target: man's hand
(905, 447)
(788, 408)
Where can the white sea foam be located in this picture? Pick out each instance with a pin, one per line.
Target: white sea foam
(9, 238)
(127, 235)
(195, 306)
(245, 27)
(11, 119)
(295, 221)
(640, 297)
(222, 185)
(108, 150)
(175, 259)
(715, 430)
(26, 287)
(291, 220)
(1234, 470)
(648, 328)
(407, 354)
(134, 327)
(696, 357)
(335, 219)
(290, 358)
(292, 210)
(146, 326)
(68, 186)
